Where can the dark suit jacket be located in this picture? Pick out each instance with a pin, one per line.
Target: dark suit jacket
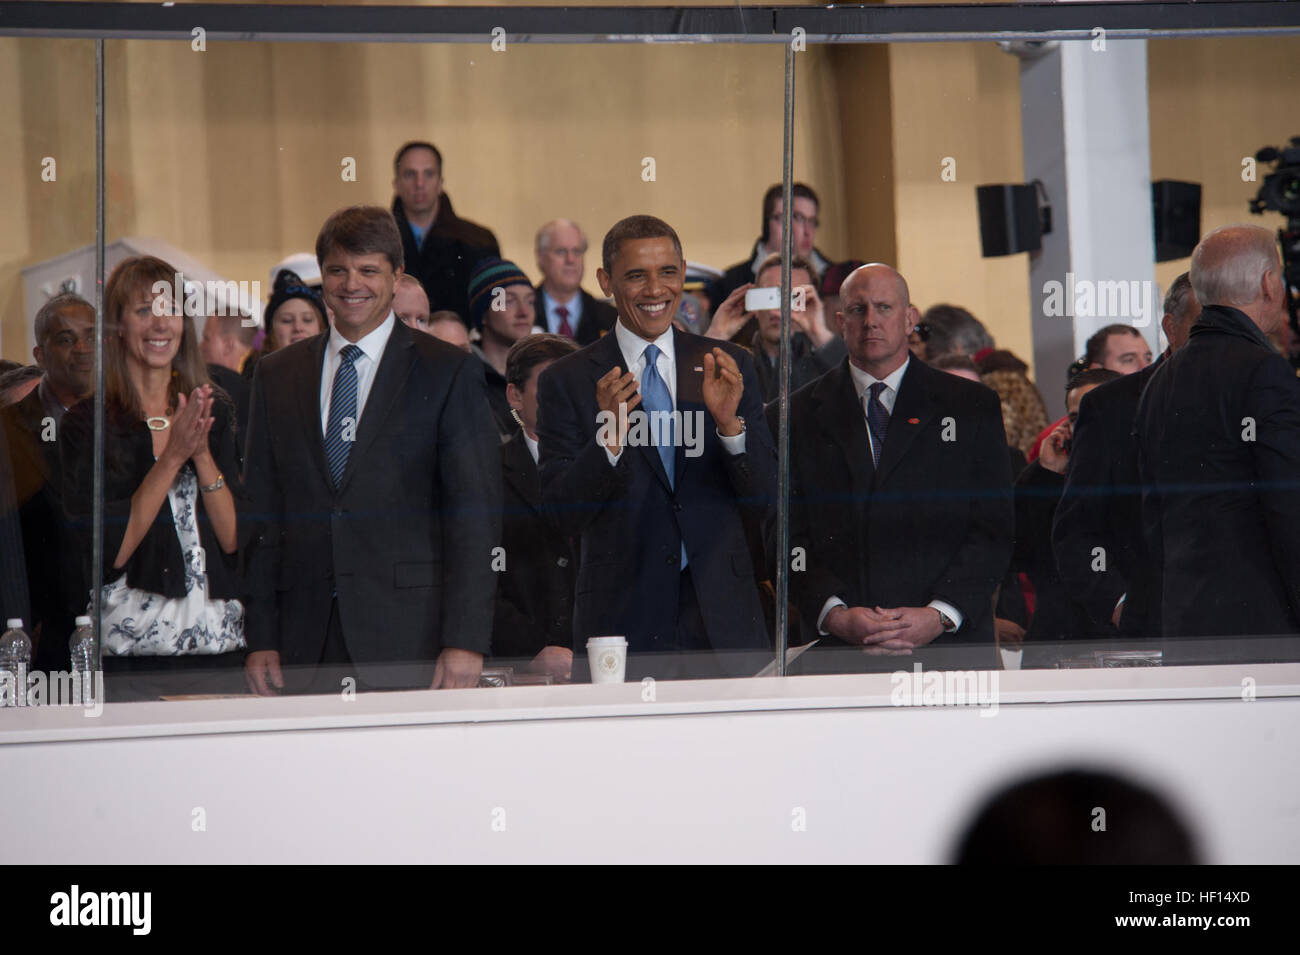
(1218, 432)
(806, 363)
(239, 389)
(598, 318)
(934, 522)
(47, 552)
(631, 523)
(407, 539)
(1101, 506)
(534, 606)
(446, 259)
(1057, 616)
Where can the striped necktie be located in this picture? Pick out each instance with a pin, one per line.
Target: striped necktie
(341, 430)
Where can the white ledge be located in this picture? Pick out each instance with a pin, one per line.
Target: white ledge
(670, 698)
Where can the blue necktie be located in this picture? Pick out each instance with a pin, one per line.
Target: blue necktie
(343, 411)
(877, 419)
(655, 397)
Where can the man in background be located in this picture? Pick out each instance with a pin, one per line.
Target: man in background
(441, 248)
(564, 307)
(65, 352)
(804, 233)
(1101, 502)
(1218, 434)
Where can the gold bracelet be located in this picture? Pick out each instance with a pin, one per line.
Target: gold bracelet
(216, 485)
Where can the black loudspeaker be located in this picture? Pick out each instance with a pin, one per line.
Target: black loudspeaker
(1009, 220)
(1177, 207)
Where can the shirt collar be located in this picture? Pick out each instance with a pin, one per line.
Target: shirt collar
(372, 344)
(863, 381)
(633, 345)
(533, 447)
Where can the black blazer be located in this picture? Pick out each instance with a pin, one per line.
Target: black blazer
(157, 564)
(631, 523)
(934, 522)
(534, 607)
(1218, 434)
(1057, 615)
(1101, 506)
(444, 262)
(598, 318)
(406, 541)
(239, 389)
(46, 549)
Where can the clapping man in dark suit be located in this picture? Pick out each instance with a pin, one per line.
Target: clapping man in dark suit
(1218, 435)
(658, 508)
(376, 490)
(900, 486)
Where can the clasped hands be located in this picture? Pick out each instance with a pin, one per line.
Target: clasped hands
(884, 631)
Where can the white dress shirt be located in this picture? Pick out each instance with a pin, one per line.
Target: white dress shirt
(633, 347)
(533, 448)
(862, 382)
(366, 364)
(574, 305)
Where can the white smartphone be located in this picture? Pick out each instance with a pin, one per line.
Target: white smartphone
(762, 299)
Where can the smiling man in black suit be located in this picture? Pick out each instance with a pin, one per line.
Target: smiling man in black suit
(375, 481)
(900, 486)
(657, 499)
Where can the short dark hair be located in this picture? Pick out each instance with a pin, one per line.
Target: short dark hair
(1095, 350)
(796, 262)
(1048, 820)
(527, 353)
(361, 230)
(954, 329)
(798, 190)
(417, 144)
(635, 227)
(233, 326)
(45, 314)
(1089, 377)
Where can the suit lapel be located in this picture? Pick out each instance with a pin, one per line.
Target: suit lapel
(690, 351)
(912, 411)
(394, 366)
(840, 415)
(308, 389)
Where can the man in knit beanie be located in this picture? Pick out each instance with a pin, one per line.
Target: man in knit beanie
(502, 311)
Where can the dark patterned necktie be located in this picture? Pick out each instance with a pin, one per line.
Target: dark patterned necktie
(565, 329)
(877, 419)
(341, 429)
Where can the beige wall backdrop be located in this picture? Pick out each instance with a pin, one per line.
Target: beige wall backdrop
(234, 154)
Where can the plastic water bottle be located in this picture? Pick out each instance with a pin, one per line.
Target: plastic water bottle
(15, 660)
(84, 649)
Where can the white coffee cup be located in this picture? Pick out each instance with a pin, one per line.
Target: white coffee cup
(608, 659)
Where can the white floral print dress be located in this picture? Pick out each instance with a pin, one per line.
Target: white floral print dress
(139, 623)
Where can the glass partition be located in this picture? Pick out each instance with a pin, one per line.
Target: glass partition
(614, 415)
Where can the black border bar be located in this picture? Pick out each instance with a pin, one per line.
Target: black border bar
(280, 22)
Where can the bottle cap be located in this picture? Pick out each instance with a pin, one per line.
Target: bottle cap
(15, 623)
(83, 621)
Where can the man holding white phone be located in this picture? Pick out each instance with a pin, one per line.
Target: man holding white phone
(814, 348)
